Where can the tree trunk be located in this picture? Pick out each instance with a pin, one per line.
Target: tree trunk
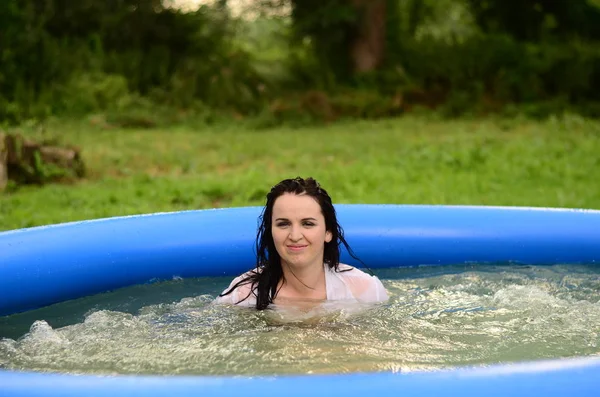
(3, 162)
(368, 47)
(31, 162)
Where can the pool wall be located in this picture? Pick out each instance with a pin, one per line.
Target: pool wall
(45, 265)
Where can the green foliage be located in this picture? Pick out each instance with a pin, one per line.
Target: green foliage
(438, 57)
(444, 20)
(62, 57)
(139, 63)
(492, 71)
(88, 92)
(317, 107)
(536, 20)
(325, 28)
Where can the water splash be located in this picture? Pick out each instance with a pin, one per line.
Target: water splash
(467, 316)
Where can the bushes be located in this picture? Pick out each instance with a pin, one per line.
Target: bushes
(490, 71)
(73, 58)
(480, 74)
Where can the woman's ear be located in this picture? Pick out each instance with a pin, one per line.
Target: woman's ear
(328, 236)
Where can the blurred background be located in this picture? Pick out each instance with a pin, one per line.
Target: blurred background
(121, 107)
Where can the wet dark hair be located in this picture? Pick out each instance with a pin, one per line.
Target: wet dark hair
(268, 272)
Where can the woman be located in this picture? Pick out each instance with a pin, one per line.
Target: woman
(298, 252)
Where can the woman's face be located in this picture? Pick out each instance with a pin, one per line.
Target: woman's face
(299, 232)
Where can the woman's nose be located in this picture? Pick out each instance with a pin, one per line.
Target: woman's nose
(295, 233)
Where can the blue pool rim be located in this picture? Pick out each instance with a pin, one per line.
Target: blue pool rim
(45, 265)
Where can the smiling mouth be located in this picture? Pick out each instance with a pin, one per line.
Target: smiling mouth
(296, 247)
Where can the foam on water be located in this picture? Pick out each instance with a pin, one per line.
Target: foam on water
(436, 318)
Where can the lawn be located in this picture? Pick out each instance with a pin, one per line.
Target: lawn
(410, 160)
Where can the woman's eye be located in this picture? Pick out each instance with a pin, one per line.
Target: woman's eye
(281, 224)
(308, 224)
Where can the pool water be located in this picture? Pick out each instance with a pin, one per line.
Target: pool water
(437, 317)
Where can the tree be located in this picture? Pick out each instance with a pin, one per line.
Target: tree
(368, 36)
(347, 36)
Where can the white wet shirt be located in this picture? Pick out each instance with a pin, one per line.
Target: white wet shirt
(349, 284)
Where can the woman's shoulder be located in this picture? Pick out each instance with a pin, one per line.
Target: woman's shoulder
(247, 275)
(345, 270)
(240, 290)
(364, 287)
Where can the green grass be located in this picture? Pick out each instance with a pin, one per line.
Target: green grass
(555, 163)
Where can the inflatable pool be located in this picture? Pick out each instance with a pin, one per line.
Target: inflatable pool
(45, 265)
